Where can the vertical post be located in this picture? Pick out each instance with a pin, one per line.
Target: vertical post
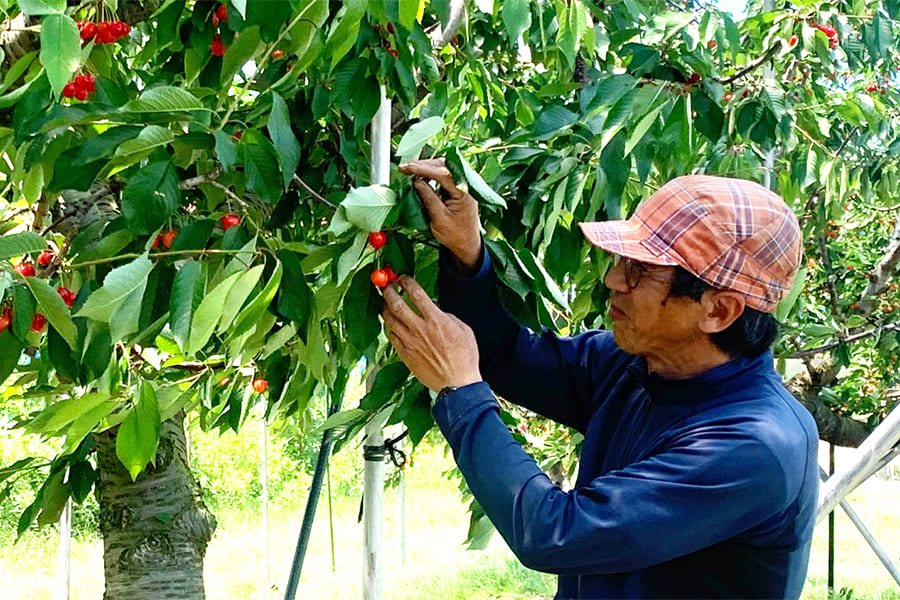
(402, 501)
(373, 447)
(65, 553)
(831, 530)
(264, 475)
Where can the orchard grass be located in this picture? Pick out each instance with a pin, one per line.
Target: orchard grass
(437, 566)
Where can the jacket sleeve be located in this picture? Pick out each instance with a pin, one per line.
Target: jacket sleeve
(554, 376)
(700, 491)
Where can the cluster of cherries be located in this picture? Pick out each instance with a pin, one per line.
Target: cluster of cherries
(80, 87)
(217, 47)
(26, 269)
(386, 42)
(167, 238)
(383, 277)
(831, 33)
(104, 32)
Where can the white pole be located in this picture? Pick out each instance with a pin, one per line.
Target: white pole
(65, 552)
(264, 468)
(402, 501)
(373, 447)
(866, 457)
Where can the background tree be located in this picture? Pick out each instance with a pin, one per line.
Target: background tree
(186, 210)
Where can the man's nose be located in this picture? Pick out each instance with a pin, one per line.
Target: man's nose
(615, 277)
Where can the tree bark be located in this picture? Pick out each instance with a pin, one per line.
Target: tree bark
(155, 529)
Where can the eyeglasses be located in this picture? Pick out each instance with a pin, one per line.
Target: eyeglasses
(635, 269)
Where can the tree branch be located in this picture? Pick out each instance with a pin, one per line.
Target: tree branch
(312, 192)
(439, 38)
(882, 272)
(753, 65)
(849, 339)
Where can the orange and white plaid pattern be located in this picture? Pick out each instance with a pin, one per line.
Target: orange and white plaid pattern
(731, 233)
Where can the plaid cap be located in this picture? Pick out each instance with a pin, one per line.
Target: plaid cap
(731, 233)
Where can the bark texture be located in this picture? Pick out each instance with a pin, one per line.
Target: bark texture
(156, 529)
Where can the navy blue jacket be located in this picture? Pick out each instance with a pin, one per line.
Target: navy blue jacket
(697, 488)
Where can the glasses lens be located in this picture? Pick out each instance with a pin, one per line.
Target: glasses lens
(632, 273)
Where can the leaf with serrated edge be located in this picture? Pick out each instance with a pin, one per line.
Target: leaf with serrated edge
(60, 49)
(208, 314)
(417, 136)
(279, 127)
(52, 306)
(117, 285)
(238, 295)
(138, 435)
(17, 244)
(368, 207)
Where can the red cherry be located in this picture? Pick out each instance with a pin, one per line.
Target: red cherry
(38, 321)
(793, 40)
(5, 319)
(222, 12)
(217, 47)
(694, 78)
(390, 28)
(237, 135)
(871, 87)
(45, 258)
(379, 278)
(81, 94)
(392, 277)
(104, 34)
(168, 237)
(712, 44)
(377, 239)
(229, 221)
(260, 385)
(728, 97)
(24, 269)
(88, 31)
(67, 295)
(277, 54)
(69, 90)
(215, 20)
(393, 52)
(119, 29)
(156, 242)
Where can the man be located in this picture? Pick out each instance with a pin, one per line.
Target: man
(698, 475)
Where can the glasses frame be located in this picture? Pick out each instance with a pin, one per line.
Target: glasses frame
(635, 270)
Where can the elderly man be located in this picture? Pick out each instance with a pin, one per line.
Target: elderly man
(698, 472)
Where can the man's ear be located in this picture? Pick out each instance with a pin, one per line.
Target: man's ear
(720, 308)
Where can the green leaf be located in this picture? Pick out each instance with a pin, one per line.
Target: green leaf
(60, 49)
(126, 319)
(254, 311)
(163, 99)
(368, 207)
(348, 260)
(343, 418)
(136, 149)
(261, 163)
(343, 36)
(55, 419)
(51, 305)
(187, 292)
(787, 303)
(641, 129)
(10, 350)
(516, 17)
(312, 16)
(226, 149)
(42, 7)
(552, 121)
(362, 307)
(85, 423)
(23, 311)
(117, 287)
(417, 136)
(279, 127)
(388, 380)
(463, 171)
(295, 298)
(241, 6)
(243, 49)
(150, 197)
(238, 295)
(138, 435)
(17, 244)
(208, 314)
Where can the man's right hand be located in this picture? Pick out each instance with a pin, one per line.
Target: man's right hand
(454, 219)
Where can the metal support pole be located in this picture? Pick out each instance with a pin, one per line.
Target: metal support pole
(867, 535)
(65, 553)
(373, 448)
(867, 457)
(402, 501)
(831, 530)
(265, 497)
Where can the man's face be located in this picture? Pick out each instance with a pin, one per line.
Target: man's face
(646, 321)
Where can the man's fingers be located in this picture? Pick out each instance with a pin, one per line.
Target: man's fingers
(397, 309)
(434, 169)
(426, 306)
(432, 201)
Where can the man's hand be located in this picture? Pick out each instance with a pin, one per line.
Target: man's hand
(454, 219)
(439, 349)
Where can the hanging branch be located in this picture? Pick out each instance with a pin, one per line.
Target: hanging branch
(457, 13)
(847, 340)
(772, 51)
(882, 272)
(312, 192)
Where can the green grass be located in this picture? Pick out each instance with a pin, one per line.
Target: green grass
(437, 565)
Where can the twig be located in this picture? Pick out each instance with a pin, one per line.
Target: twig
(457, 14)
(753, 65)
(312, 192)
(847, 340)
(832, 290)
(108, 259)
(883, 271)
(228, 192)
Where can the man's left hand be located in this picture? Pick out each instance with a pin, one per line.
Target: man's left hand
(439, 349)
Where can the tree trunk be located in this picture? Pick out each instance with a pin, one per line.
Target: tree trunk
(156, 529)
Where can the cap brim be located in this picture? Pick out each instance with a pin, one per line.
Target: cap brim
(623, 237)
